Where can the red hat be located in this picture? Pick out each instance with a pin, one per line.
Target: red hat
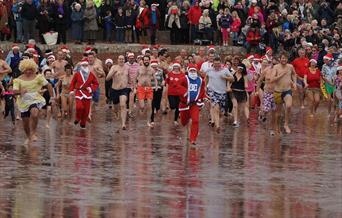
(145, 48)
(84, 61)
(154, 63)
(268, 49)
(328, 57)
(176, 64)
(264, 58)
(30, 48)
(65, 49)
(88, 50)
(250, 56)
(192, 67)
(155, 47)
(257, 57)
(211, 47)
(313, 60)
(15, 46)
(51, 57)
(130, 54)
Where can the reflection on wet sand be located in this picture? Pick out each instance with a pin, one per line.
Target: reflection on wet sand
(154, 173)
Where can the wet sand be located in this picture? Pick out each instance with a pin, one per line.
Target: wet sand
(140, 172)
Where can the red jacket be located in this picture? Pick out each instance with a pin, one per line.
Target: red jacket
(253, 37)
(183, 92)
(145, 17)
(194, 15)
(81, 86)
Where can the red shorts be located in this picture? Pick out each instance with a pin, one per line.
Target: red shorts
(144, 93)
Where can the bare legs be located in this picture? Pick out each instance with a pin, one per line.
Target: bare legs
(30, 125)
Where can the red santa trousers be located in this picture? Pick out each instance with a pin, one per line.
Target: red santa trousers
(82, 110)
(193, 114)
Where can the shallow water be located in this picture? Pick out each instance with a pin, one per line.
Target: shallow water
(154, 173)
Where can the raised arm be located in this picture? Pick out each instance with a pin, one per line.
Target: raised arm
(5, 68)
(111, 73)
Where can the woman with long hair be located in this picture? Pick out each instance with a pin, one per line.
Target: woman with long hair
(63, 92)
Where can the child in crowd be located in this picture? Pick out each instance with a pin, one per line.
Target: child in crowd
(9, 98)
(108, 25)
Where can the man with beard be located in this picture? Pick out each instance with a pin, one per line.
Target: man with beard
(83, 84)
(144, 86)
(119, 94)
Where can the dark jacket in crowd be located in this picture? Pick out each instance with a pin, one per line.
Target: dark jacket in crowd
(29, 11)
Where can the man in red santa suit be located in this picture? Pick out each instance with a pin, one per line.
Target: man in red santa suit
(192, 93)
(83, 84)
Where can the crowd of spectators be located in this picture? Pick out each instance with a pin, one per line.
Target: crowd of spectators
(253, 24)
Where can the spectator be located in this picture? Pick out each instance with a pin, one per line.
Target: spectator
(129, 23)
(194, 15)
(29, 14)
(44, 19)
(154, 24)
(205, 25)
(77, 23)
(16, 10)
(174, 22)
(142, 22)
(108, 25)
(61, 16)
(235, 27)
(253, 39)
(184, 22)
(225, 24)
(120, 25)
(5, 32)
(90, 22)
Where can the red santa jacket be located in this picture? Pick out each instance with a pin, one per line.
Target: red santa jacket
(184, 94)
(81, 86)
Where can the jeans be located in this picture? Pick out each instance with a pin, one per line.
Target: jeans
(120, 35)
(19, 28)
(29, 27)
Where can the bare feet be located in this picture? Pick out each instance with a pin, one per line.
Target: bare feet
(47, 126)
(27, 142)
(311, 115)
(34, 137)
(124, 128)
(287, 129)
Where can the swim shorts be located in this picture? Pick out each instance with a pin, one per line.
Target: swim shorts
(144, 93)
(279, 96)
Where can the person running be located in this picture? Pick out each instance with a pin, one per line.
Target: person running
(312, 81)
(48, 107)
(82, 85)
(172, 82)
(301, 64)
(108, 84)
(4, 70)
(58, 65)
(144, 87)
(63, 91)
(9, 98)
(338, 93)
(27, 86)
(158, 88)
(240, 98)
(120, 91)
(217, 78)
(192, 94)
(284, 79)
(328, 73)
(133, 68)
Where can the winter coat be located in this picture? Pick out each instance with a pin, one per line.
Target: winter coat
(173, 17)
(90, 22)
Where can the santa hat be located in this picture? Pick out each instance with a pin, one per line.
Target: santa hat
(211, 48)
(65, 49)
(15, 46)
(176, 64)
(84, 61)
(156, 47)
(328, 57)
(145, 48)
(88, 50)
(48, 52)
(268, 49)
(154, 63)
(109, 61)
(51, 57)
(192, 67)
(140, 56)
(130, 55)
(250, 56)
(155, 5)
(30, 48)
(257, 57)
(264, 58)
(313, 60)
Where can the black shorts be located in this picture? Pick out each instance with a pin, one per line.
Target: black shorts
(115, 94)
(240, 96)
(173, 101)
(28, 113)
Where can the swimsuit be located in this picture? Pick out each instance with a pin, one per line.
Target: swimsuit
(268, 102)
(116, 93)
(279, 96)
(144, 93)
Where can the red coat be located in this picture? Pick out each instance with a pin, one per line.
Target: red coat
(194, 15)
(81, 86)
(184, 94)
(253, 37)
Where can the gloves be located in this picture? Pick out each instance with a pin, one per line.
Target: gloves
(89, 90)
